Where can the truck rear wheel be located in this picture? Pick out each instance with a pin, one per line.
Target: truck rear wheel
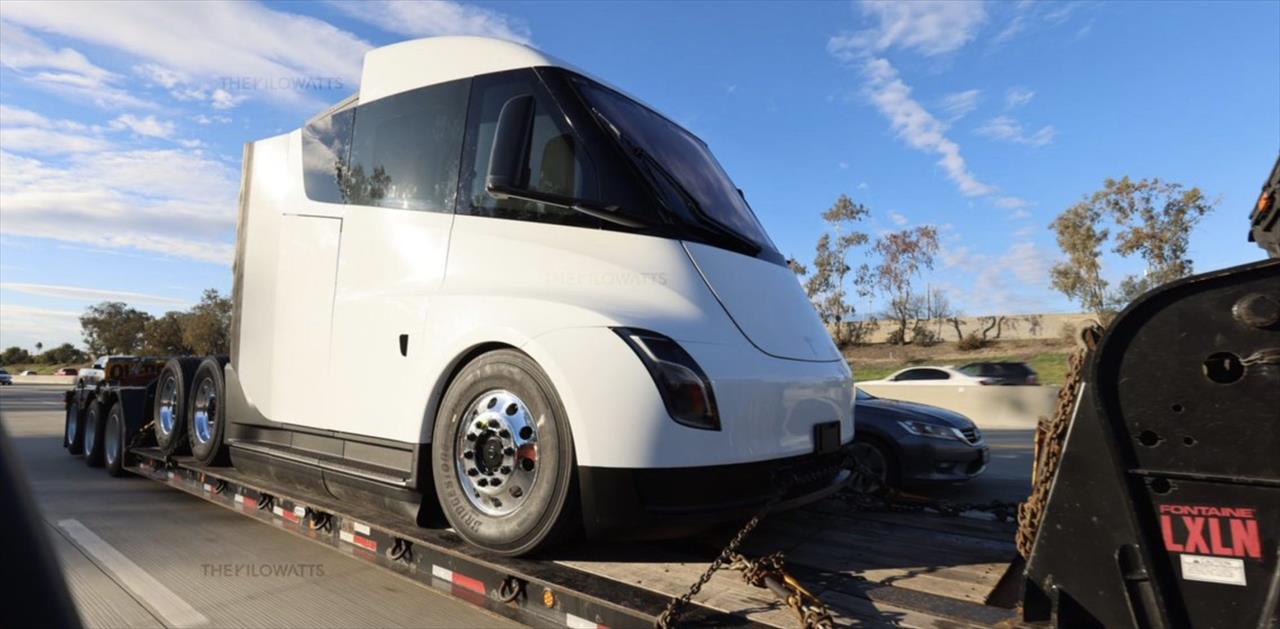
(502, 456)
(93, 435)
(207, 415)
(73, 434)
(169, 413)
(113, 440)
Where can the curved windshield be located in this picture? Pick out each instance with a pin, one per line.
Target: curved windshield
(679, 158)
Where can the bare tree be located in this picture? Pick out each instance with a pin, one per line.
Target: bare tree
(902, 254)
(1154, 219)
(828, 287)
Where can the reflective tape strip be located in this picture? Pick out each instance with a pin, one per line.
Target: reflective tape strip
(460, 580)
(362, 529)
(578, 622)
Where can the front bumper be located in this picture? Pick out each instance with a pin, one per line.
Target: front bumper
(645, 504)
(929, 460)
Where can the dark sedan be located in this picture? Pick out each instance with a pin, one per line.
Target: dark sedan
(903, 443)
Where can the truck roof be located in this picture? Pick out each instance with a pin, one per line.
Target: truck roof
(417, 63)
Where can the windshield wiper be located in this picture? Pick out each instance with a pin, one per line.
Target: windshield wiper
(657, 169)
(608, 213)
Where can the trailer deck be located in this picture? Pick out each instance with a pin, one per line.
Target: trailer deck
(870, 568)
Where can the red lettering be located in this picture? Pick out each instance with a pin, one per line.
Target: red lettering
(1215, 538)
(1244, 538)
(1195, 535)
(1166, 525)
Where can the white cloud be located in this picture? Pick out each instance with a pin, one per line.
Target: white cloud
(1012, 203)
(64, 71)
(149, 126)
(843, 165)
(1008, 129)
(916, 126)
(898, 219)
(1017, 96)
(172, 202)
(88, 294)
(862, 185)
(427, 19)
(929, 27)
(24, 326)
(1010, 283)
(18, 117)
(1012, 29)
(960, 104)
(1019, 214)
(207, 42)
(47, 141)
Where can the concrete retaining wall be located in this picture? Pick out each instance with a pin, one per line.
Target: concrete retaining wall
(60, 380)
(990, 407)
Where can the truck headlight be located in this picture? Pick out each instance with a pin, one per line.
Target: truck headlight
(685, 389)
(925, 429)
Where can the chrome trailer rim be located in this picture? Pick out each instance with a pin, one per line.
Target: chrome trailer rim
(205, 404)
(73, 424)
(168, 401)
(112, 437)
(497, 453)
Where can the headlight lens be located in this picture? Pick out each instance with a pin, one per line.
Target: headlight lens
(686, 390)
(925, 429)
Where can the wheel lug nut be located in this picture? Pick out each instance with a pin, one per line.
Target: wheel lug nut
(471, 436)
(504, 434)
(495, 482)
(484, 482)
(508, 450)
(468, 454)
(505, 470)
(516, 492)
(473, 472)
(493, 423)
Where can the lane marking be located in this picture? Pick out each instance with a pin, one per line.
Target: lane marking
(175, 611)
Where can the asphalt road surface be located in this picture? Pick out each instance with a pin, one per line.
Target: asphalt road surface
(138, 554)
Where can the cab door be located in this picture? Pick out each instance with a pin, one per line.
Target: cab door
(400, 188)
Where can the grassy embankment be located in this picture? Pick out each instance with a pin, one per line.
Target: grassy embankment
(41, 369)
(1048, 357)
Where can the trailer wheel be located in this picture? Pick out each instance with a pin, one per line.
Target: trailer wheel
(113, 440)
(73, 434)
(93, 435)
(502, 456)
(207, 415)
(169, 413)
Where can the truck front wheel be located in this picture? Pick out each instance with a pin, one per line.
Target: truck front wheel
(502, 456)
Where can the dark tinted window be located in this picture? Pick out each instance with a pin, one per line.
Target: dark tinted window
(326, 143)
(405, 149)
(922, 374)
(558, 164)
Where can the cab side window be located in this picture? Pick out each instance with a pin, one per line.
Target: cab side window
(405, 148)
(557, 162)
(326, 147)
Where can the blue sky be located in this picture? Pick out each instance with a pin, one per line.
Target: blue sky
(122, 125)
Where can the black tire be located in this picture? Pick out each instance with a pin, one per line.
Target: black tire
(207, 414)
(73, 431)
(169, 413)
(93, 424)
(114, 442)
(875, 469)
(548, 512)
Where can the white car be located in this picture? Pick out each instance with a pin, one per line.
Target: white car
(928, 375)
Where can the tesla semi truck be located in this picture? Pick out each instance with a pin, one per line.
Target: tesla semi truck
(492, 287)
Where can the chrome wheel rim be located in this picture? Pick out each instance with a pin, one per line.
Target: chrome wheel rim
(870, 469)
(112, 440)
(90, 430)
(205, 406)
(497, 453)
(168, 402)
(73, 426)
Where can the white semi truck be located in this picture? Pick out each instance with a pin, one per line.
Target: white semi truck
(491, 285)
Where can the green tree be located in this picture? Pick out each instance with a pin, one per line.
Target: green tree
(112, 327)
(207, 330)
(1153, 219)
(64, 354)
(828, 287)
(14, 356)
(902, 255)
(163, 336)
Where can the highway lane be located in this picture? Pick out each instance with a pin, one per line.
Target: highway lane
(138, 554)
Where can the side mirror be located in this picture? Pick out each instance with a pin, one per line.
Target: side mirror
(510, 154)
